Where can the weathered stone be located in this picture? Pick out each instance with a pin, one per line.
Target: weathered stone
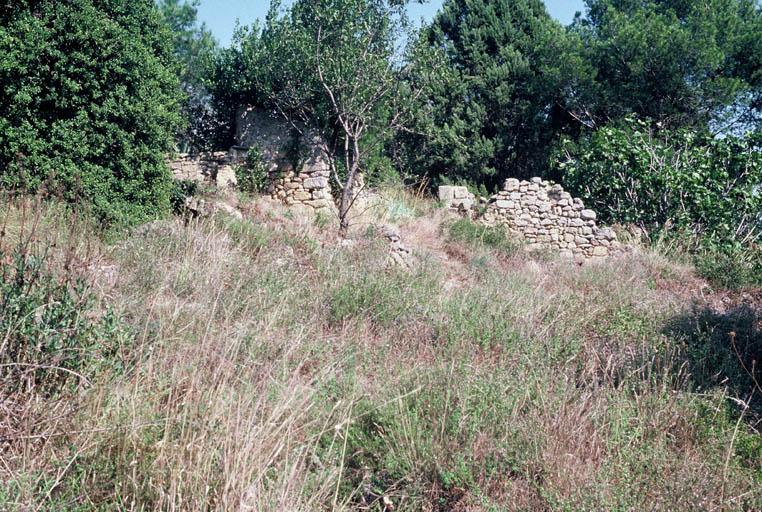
(546, 217)
(461, 193)
(511, 184)
(316, 183)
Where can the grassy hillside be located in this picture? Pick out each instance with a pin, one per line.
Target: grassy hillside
(258, 364)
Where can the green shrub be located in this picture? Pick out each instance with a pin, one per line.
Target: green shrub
(698, 183)
(252, 176)
(698, 190)
(89, 105)
(730, 265)
(469, 232)
(53, 333)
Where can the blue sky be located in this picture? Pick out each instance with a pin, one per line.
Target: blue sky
(220, 15)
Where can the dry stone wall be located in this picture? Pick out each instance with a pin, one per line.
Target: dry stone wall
(309, 185)
(294, 177)
(547, 216)
(214, 168)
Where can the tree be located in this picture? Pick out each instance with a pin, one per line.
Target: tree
(332, 65)
(89, 104)
(679, 63)
(195, 50)
(510, 88)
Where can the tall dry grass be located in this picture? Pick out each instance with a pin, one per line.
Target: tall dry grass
(268, 368)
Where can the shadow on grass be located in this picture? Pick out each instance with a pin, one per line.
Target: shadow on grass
(724, 349)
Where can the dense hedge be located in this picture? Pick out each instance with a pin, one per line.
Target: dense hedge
(89, 104)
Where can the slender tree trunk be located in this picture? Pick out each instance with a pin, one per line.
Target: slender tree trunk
(347, 195)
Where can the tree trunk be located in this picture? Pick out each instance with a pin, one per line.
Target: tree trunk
(347, 194)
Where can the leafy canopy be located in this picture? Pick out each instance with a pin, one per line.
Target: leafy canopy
(680, 63)
(89, 104)
(503, 96)
(707, 185)
(195, 50)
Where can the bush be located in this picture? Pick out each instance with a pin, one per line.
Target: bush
(252, 176)
(730, 265)
(702, 191)
(464, 230)
(694, 182)
(89, 104)
(53, 332)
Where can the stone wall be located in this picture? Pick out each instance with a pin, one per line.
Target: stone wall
(213, 168)
(456, 198)
(546, 216)
(309, 185)
(294, 176)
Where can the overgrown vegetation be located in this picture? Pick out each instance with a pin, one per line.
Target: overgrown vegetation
(528, 386)
(705, 191)
(464, 230)
(252, 174)
(256, 362)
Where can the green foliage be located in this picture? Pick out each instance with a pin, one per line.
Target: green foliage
(89, 104)
(479, 235)
(195, 51)
(496, 80)
(54, 335)
(252, 175)
(703, 184)
(678, 63)
(502, 80)
(332, 68)
(730, 265)
(702, 189)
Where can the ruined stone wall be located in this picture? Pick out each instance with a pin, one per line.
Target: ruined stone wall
(546, 216)
(542, 213)
(213, 168)
(294, 176)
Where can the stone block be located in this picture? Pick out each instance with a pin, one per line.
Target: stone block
(587, 215)
(446, 193)
(315, 183)
(511, 184)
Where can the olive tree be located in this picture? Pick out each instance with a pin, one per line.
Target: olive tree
(335, 66)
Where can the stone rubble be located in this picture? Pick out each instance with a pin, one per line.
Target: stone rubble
(399, 253)
(202, 208)
(456, 198)
(213, 168)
